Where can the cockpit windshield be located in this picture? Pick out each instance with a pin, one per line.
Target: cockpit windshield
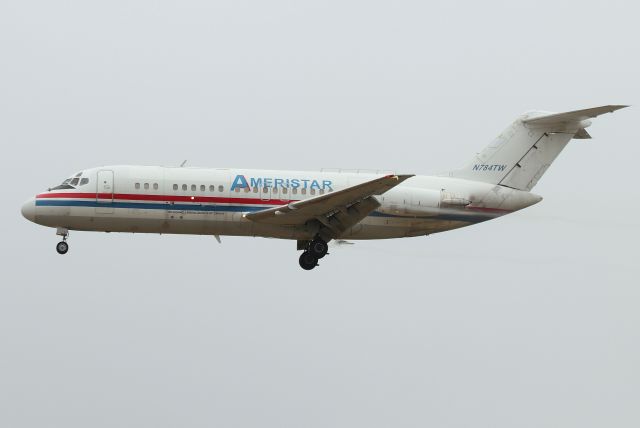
(72, 182)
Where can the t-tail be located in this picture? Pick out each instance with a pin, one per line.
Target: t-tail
(521, 154)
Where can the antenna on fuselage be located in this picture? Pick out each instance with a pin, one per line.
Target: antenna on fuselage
(184, 162)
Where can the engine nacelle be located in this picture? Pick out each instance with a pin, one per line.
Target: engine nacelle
(409, 201)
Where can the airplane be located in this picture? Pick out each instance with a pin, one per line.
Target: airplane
(313, 208)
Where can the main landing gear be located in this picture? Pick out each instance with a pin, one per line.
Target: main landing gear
(62, 247)
(308, 261)
(314, 251)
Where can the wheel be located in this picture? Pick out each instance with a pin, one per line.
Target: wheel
(308, 261)
(62, 247)
(318, 248)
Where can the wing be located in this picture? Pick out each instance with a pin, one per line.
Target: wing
(336, 210)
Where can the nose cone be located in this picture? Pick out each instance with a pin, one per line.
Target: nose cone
(29, 210)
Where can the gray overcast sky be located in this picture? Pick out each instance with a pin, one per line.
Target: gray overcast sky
(531, 320)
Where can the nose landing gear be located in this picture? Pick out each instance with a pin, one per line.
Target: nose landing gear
(62, 247)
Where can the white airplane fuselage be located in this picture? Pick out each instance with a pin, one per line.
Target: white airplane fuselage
(205, 201)
(314, 208)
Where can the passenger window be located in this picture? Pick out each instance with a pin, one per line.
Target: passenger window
(275, 190)
(246, 190)
(221, 188)
(303, 191)
(84, 181)
(265, 190)
(175, 187)
(237, 190)
(137, 185)
(146, 186)
(294, 191)
(193, 187)
(255, 190)
(313, 191)
(155, 186)
(322, 191)
(212, 188)
(184, 187)
(203, 188)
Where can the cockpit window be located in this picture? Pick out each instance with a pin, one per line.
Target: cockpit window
(71, 182)
(62, 187)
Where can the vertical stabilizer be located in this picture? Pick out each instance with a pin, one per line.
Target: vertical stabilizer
(521, 154)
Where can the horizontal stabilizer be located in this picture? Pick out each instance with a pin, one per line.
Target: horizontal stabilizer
(572, 116)
(582, 134)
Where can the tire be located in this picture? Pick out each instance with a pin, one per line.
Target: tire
(318, 248)
(62, 247)
(308, 261)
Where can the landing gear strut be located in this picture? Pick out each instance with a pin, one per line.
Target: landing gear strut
(62, 247)
(314, 251)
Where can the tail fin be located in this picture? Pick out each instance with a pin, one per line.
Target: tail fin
(521, 154)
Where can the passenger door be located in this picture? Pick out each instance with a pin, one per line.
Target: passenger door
(104, 192)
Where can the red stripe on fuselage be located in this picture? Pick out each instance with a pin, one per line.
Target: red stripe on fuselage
(161, 198)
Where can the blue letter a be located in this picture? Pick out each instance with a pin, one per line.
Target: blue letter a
(240, 182)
